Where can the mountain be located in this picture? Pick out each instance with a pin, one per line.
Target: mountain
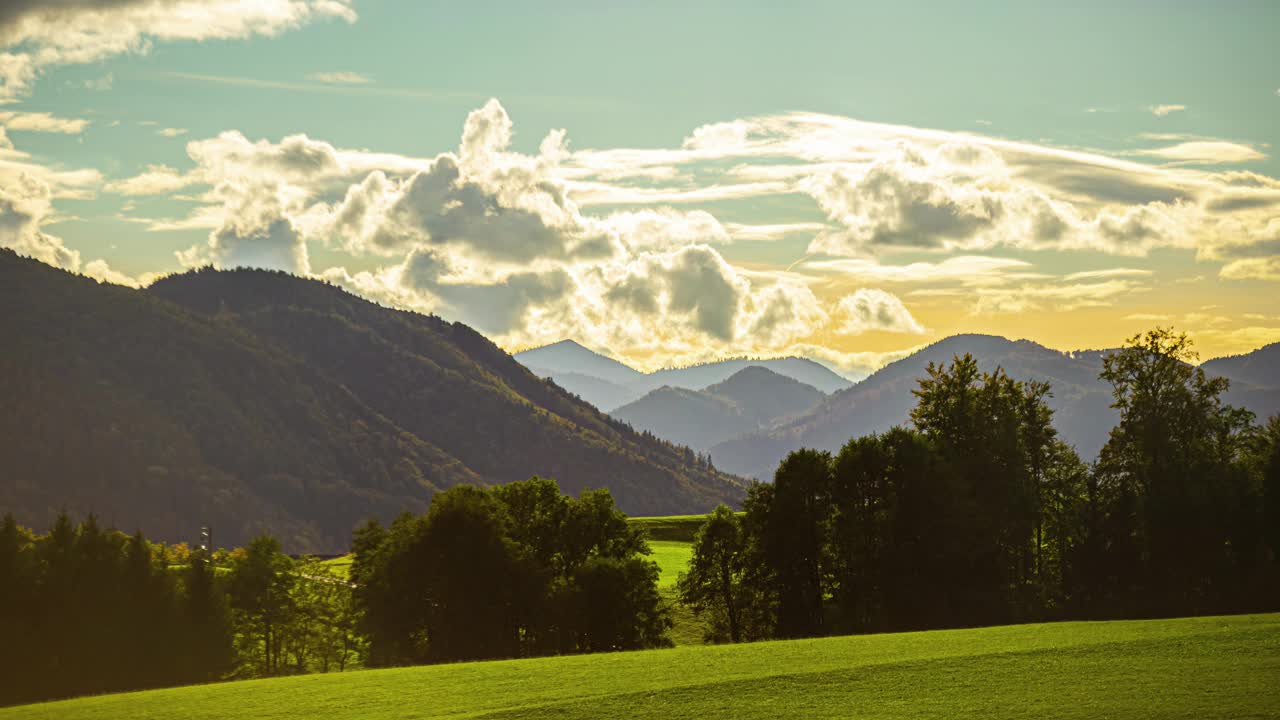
(884, 399)
(603, 394)
(1260, 368)
(568, 356)
(1081, 400)
(1255, 379)
(256, 401)
(609, 384)
(765, 396)
(751, 399)
(697, 377)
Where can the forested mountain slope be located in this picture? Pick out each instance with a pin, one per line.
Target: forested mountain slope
(252, 401)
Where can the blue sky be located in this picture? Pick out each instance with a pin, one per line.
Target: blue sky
(842, 180)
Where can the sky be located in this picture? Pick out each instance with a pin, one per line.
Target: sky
(671, 182)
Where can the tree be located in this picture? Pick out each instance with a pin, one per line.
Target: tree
(713, 585)
(467, 560)
(616, 605)
(792, 523)
(210, 650)
(260, 589)
(1176, 465)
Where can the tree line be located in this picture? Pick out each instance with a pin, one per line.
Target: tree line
(85, 610)
(978, 514)
(512, 571)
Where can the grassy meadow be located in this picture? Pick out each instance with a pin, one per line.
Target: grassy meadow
(1209, 667)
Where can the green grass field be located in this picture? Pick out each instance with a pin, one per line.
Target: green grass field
(674, 528)
(1215, 667)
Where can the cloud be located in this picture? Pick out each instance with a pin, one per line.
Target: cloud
(664, 227)
(42, 122)
(967, 269)
(340, 78)
(171, 132)
(101, 84)
(255, 232)
(1164, 110)
(1263, 268)
(1039, 296)
(40, 34)
(626, 249)
(157, 180)
(1107, 273)
(870, 309)
(1207, 152)
(26, 205)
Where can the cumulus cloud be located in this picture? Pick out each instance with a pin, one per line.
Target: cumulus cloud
(504, 240)
(41, 33)
(26, 205)
(171, 132)
(255, 232)
(871, 309)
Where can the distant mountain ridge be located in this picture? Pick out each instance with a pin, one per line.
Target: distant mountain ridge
(258, 401)
(1081, 401)
(751, 399)
(609, 384)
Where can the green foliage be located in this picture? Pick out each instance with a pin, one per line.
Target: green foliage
(517, 570)
(714, 586)
(981, 515)
(255, 401)
(1214, 667)
(261, 595)
(87, 610)
(1179, 506)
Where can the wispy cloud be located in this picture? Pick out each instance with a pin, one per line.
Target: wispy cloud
(1163, 110)
(323, 87)
(1206, 152)
(1109, 273)
(172, 132)
(340, 78)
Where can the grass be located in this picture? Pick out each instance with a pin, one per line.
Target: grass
(672, 558)
(340, 566)
(675, 528)
(1215, 667)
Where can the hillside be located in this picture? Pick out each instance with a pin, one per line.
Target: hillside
(752, 399)
(1081, 401)
(609, 384)
(1260, 368)
(596, 391)
(765, 395)
(252, 401)
(1210, 667)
